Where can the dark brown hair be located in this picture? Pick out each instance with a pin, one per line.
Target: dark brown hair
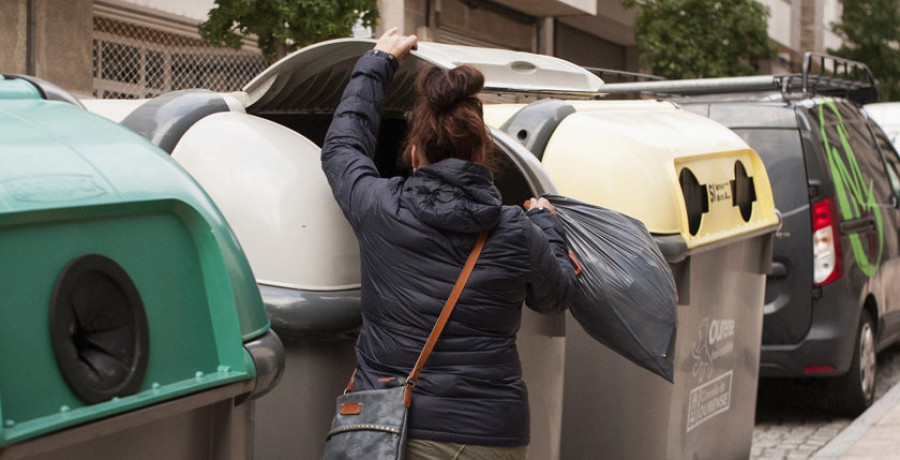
(447, 120)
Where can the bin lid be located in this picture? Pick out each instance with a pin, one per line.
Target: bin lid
(109, 236)
(17, 89)
(311, 80)
(59, 156)
(257, 173)
(677, 172)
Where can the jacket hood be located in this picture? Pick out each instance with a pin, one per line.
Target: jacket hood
(454, 195)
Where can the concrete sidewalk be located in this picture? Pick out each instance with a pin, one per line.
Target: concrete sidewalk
(873, 435)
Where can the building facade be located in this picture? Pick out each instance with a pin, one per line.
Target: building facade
(597, 34)
(125, 49)
(143, 48)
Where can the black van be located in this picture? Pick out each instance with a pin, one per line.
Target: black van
(833, 294)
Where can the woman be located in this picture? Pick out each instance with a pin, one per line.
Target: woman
(414, 236)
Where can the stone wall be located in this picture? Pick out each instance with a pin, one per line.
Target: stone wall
(48, 39)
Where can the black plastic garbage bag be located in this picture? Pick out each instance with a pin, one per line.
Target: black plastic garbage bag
(626, 297)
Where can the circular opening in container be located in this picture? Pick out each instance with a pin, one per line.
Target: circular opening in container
(98, 329)
(743, 192)
(522, 134)
(696, 199)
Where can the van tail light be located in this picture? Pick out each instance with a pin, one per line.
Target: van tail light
(827, 260)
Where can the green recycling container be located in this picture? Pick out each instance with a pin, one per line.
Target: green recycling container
(130, 322)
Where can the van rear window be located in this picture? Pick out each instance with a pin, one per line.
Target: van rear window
(782, 153)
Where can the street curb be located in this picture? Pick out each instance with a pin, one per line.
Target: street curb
(856, 430)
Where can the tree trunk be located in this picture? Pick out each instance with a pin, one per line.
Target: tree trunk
(280, 50)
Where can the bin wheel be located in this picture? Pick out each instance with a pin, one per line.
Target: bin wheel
(852, 393)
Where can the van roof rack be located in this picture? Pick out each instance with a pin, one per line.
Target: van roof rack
(822, 75)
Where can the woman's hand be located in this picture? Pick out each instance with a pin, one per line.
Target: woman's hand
(539, 203)
(397, 45)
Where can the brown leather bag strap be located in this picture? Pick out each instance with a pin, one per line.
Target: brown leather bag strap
(442, 319)
(351, 383)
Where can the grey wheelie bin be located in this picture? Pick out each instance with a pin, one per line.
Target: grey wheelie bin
(705, 197)
(130, 324)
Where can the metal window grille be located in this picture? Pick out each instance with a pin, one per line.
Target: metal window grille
(132, 61)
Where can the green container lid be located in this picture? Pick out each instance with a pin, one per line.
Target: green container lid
(118, 275)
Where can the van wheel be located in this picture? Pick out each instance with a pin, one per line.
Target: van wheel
(852, 393)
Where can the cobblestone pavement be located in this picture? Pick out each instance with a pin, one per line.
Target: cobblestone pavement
(793, 423)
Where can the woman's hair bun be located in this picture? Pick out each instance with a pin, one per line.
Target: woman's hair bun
(447, 120)
(445, 89)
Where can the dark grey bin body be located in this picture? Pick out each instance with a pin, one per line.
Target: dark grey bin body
(613, 409)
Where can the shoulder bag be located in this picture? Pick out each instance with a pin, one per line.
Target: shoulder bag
(371, 424)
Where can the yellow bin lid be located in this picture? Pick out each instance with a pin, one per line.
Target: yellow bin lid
(677, 172)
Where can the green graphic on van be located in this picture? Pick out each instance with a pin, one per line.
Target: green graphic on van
(854, 192)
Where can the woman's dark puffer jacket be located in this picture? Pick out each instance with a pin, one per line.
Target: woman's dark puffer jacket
(414, 237)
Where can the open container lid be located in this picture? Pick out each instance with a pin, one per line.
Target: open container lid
(311, 80)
